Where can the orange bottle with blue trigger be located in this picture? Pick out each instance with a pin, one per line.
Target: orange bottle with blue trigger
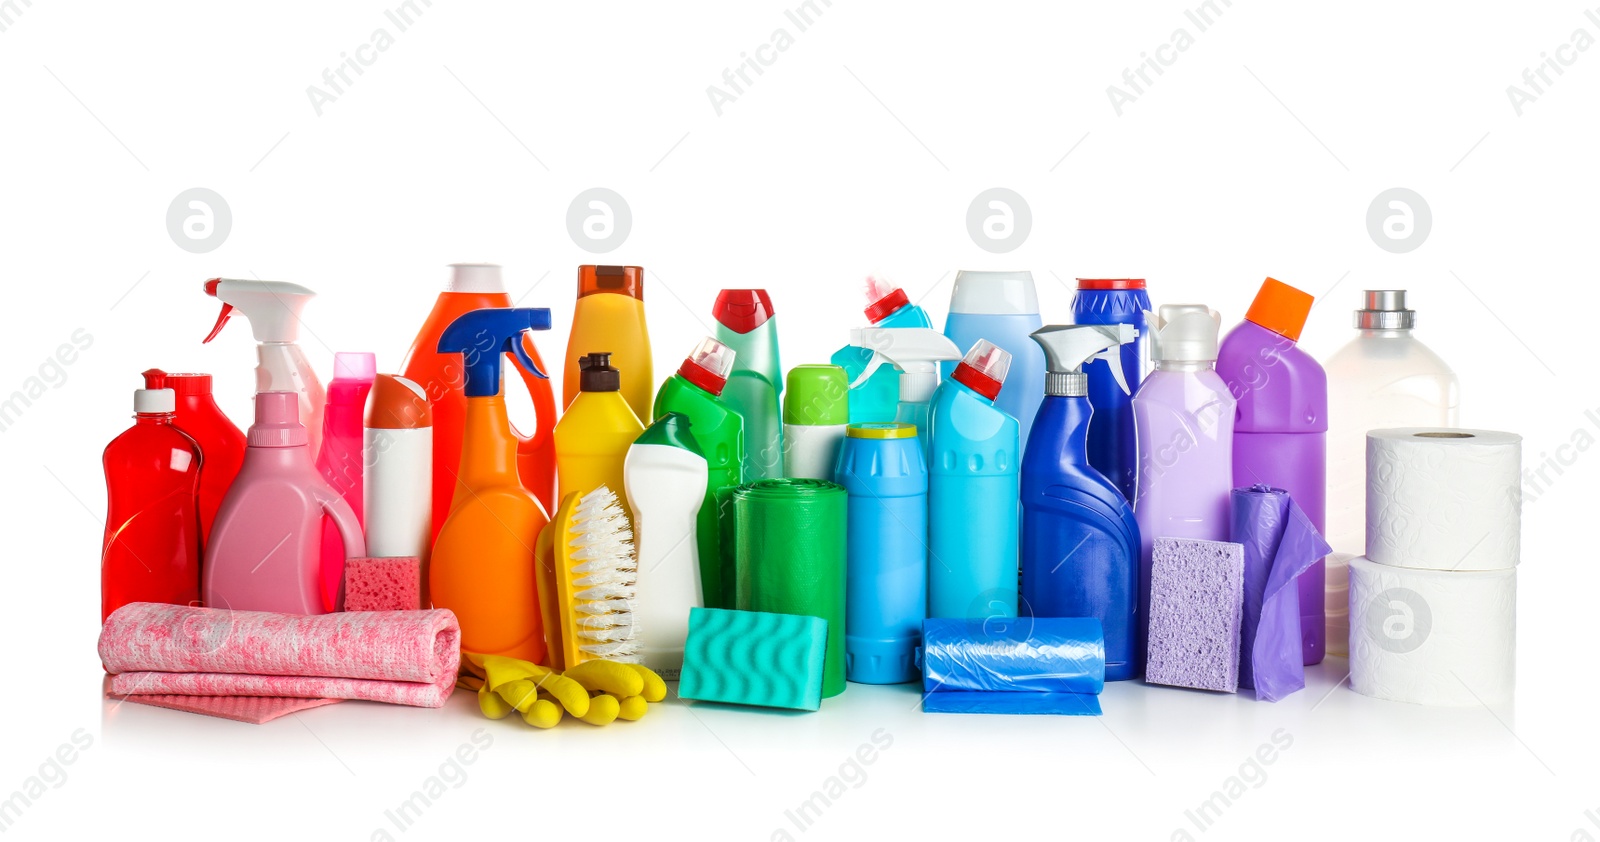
(473, 286)
(483, 567)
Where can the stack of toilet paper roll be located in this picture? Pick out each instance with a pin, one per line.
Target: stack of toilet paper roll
(1433, 603)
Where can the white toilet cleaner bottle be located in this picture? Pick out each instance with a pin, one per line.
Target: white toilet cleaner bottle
(273, 308)
(665, 477)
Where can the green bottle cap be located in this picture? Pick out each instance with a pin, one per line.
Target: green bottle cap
(672, 430)
(816, 396)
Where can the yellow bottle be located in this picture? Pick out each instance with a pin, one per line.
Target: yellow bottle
(593, 437)
(609, 318)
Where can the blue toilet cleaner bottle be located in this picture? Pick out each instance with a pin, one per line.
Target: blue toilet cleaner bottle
(1080, 542)
(972, 492)
(877, 398)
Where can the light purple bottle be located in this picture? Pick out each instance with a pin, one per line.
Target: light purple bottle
(1280, 438)
(265, 552)
(1183, 420)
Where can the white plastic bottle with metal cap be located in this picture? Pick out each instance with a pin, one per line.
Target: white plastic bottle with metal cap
(665, 475)
(1384, 377)
(398, 471)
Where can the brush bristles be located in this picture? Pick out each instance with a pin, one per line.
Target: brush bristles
(605, 577)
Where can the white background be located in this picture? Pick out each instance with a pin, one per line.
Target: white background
(1257, 152)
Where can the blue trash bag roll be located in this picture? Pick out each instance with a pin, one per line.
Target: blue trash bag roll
(1026, 665)
(1280, 543)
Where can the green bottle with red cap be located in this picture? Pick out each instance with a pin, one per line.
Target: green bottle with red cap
(747, 324)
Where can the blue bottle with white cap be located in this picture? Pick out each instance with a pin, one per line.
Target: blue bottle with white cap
(1002, 307)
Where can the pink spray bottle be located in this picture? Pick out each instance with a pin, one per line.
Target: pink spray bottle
(339, 461)
(265, 552)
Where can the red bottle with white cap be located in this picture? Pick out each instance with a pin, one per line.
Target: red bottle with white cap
(152, 542)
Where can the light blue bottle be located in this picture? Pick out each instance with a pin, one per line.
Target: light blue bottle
(886, 583)
(1003, 308)
(747, 323)
(877, 398)
(973, 505)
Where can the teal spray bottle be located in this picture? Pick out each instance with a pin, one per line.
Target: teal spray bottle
(916, 353)
(876, 398)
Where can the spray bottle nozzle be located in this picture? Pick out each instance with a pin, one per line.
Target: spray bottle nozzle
(913, 350)
(483, 338)
(273, 307)
(1068, 348)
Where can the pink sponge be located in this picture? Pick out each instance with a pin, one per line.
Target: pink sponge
(383, 584)
(1196, 613)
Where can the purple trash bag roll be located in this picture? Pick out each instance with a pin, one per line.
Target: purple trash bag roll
(1280, 543)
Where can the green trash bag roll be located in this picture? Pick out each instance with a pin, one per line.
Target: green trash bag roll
(789, 557)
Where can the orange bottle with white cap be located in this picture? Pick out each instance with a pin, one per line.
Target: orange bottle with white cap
(474, 286)
(608, 318)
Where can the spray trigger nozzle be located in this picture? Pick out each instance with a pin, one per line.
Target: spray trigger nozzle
(1113, 358)
(518, 350)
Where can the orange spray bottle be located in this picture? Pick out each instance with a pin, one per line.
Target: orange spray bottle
(482, 566)
(474, 286)
(609, 318)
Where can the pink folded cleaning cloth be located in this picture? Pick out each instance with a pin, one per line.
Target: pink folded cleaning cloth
(399, 657)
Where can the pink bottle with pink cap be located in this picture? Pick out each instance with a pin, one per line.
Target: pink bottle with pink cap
(265, 552)
(340, 459)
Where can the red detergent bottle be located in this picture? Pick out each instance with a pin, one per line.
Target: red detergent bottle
(221, 441)
(152, 542)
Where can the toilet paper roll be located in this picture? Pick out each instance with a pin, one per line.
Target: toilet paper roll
(1433, 637)
(1336, 618)
(1444, 499)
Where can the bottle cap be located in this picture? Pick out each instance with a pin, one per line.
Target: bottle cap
(1111, 283)
(396, 403)
(154, 401)
(1386, 310)
(816, 395)
(622, 280)
(889, 430)
(742, 310)
(355, 365)
(277, 421)
(183, 383)
(1184, 333)
(994, 293)
(596, 374)
(671, 430)
(475, 277)
(1280, 308)
(883, 299)
(984, 368)
(708, 365)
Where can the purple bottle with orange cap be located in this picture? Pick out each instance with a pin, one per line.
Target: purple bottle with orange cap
(1280, 436)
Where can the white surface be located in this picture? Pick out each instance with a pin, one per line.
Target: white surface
(1444, 503)
(1433, 637)
(1205, 184)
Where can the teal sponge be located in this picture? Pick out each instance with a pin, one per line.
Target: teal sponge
(754, 658)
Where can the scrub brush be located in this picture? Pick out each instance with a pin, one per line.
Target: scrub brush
(588, 573)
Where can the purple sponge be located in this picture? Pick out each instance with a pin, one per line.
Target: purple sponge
(382, 584)
(1196, 613)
